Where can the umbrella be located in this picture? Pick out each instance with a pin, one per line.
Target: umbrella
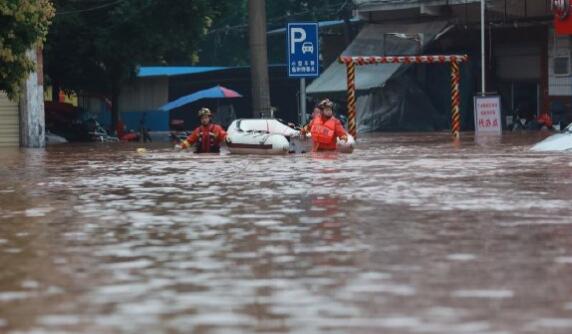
(216, 92)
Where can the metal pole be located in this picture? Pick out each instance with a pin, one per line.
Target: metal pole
(483, 63)
(302, 101)
(258, 58)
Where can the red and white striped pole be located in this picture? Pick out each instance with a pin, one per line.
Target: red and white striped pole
(350, 63)
(351, 77)
(455, 100)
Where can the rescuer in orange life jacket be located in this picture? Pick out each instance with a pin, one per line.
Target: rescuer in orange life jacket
(206, 138)
(325, 128)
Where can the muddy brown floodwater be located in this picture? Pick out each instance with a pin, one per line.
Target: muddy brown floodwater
(409, 234)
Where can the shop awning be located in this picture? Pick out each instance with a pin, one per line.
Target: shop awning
(378, 40)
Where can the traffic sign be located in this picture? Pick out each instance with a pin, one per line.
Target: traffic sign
(303, 50)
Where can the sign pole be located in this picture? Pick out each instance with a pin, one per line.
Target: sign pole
(302, 101)
(483, 63)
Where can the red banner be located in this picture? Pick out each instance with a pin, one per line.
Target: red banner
(562, 17)
(563, 27)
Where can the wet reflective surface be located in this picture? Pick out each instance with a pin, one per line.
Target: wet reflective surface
(409, 234)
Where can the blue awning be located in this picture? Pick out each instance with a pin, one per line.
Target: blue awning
(158, 71)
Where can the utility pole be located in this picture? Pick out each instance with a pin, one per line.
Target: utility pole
(346, 15)
(483, 54)
(258, 58)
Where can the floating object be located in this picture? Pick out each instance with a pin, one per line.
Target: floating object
(346, 146)
(272, 137)
(52, 138)
(141, 150)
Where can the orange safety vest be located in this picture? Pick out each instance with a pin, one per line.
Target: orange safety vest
(323, 133)
(207, 141)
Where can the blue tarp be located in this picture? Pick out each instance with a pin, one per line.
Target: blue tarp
(157, 71)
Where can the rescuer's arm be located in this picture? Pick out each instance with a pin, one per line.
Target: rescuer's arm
(307, 128)
(221, 135)
(340, 131)
(191, 139)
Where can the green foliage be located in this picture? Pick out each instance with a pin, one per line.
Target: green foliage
(23, 25)
(227, 40)
(95, 45)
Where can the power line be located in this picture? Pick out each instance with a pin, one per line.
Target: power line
(274, 20)
(90, 9)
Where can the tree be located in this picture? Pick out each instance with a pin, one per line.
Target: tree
(23, 25)
(97, 46)
(258, 58)
(231, 31)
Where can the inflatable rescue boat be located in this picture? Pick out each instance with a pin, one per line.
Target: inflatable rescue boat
(271, 137)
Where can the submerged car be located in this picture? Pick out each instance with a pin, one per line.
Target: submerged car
(558, 142)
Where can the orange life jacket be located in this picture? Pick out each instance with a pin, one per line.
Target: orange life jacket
(323, 132)
(207, 141)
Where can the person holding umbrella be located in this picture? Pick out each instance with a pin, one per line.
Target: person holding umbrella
(207, 137)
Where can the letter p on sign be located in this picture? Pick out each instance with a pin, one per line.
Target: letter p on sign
(297, 35)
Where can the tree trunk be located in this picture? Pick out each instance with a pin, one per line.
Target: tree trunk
(32, 119)
(258, 58)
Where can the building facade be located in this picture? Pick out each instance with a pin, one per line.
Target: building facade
(526, 62)
(9, 122)
(22, 122)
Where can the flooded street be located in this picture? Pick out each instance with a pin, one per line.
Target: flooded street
(409, 234)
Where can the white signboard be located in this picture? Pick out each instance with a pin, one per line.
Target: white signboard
(488, 115)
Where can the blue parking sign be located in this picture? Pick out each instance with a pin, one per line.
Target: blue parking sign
(303, 50)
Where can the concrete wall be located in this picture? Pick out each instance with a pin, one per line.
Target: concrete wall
(519, 8)
(463, 11)
(9, 122)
